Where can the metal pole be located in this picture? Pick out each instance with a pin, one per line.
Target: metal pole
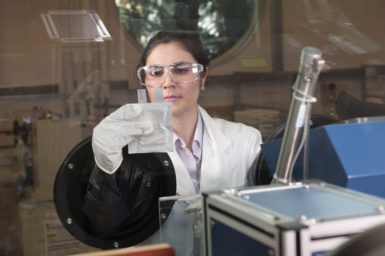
(297, 124)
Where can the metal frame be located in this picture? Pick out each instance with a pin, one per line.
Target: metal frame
(285, 235)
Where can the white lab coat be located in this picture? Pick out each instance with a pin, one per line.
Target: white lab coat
(229, 151)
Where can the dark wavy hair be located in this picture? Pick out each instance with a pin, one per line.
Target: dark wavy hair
(190, 42)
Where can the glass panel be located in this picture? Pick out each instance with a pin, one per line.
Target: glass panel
(182, 223)
(65, 65)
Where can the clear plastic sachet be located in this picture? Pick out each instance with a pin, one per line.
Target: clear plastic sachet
(161, 138)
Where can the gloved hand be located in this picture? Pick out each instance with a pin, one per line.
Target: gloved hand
(116, 131)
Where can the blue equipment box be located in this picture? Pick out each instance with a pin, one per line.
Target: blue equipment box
(300, 219)
(347, 155)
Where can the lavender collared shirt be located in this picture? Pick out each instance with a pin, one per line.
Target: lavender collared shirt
(192, 160)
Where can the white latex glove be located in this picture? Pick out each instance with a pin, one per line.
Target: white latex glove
(161, 139)
(116, 131)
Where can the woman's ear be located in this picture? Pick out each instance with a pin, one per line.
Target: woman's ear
(203, 81)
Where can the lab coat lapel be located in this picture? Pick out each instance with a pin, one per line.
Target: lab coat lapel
(184, 183)
(216, 165)
(215, 168)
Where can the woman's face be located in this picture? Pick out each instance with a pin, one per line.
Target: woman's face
(184, 97)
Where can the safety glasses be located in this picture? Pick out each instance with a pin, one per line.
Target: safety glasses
(181, 73)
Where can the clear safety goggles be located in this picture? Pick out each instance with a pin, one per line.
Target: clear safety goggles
(181, 73)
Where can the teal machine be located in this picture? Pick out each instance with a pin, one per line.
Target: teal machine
(350, 154)
(295, 215)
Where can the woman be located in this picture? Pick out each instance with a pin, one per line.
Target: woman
(209, 153)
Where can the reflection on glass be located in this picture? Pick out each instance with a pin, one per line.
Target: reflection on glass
(346, 36)
(73, 26)
(220, 24)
